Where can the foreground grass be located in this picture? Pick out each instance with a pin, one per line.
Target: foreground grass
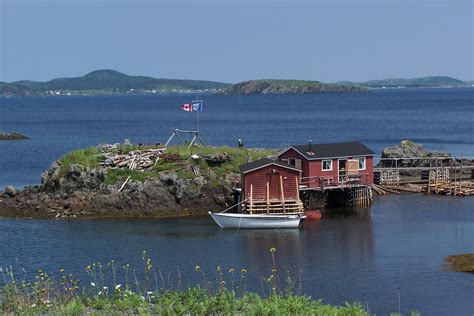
(147, 291)
(193, 301)
(141, 293)
(90, 158)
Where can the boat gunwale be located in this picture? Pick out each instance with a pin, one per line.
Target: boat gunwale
(260, 216)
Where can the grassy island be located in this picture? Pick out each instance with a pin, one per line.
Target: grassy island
(278, 86)
(177, 159)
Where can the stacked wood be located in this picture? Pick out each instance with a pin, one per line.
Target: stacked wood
(134, 160)
(407, 188)
(386, 189)
(461, 188)
(217, 158)
(378, 190)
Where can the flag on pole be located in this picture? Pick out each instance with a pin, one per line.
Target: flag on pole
(197, 106)
(187, 107)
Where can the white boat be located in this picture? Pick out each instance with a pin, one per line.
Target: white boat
(232, 220)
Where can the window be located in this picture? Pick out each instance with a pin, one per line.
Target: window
(362, 163)
(291, 161)
(327, 165)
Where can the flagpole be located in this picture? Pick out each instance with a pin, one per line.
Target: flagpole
(197, 118)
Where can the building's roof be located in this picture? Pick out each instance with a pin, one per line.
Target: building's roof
(334, 150)
(257, 164)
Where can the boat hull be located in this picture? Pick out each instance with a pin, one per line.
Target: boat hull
(238, 221)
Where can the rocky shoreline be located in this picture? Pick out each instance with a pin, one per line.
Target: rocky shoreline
(80, 192)
(77, 191)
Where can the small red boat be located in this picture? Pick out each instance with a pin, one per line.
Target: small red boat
(313, 214)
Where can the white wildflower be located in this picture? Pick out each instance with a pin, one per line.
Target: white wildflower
(106, 288)
(92, 283)
(149, 292)
(118, 286)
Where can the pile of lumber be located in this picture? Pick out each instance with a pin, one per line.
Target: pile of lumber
(134, 160)
(462, 188)
(217, 158)
(386, 189)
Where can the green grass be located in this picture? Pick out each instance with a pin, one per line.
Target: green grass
(86, 157)
(113, 175)
(239, 156)
(147, 290)
(193, 301)
(90, 158)
(63, 295)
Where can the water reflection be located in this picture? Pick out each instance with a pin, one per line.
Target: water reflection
(348, 255)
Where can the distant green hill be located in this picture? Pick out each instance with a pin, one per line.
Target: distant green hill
(434, 81)
(277, 86)
(108, 81)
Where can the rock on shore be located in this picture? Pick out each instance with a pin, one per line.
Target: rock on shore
(81, 192)
(409, 149)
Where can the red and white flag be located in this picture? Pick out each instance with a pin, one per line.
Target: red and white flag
(187, 107)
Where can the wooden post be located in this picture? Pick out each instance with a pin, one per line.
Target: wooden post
(429, 179)
(460, 177)
(454, 170)
(268, 197)
(396, 169)
(297, 194)
(251, 198)
(282, 195)
(297, 191)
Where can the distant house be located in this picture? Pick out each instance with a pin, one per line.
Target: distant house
(331, 165)
(270, 186)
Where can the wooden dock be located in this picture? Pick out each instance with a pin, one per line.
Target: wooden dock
(443, 175)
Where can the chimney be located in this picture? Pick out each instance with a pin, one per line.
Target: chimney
(309, 146)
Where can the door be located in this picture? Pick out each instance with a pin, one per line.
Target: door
(273, 180)
(342, 170)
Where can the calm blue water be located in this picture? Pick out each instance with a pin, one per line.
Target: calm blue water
(401, 245)
(344, 258)
(442, 119)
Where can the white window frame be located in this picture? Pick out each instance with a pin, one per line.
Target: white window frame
(292, 162)
(365, 163)
(322, 164)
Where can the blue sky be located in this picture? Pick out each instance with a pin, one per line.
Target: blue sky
(232, 41)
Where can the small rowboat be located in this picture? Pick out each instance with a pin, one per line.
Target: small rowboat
(232, 220)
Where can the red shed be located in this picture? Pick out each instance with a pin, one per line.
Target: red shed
(270, 186)
(331, 165)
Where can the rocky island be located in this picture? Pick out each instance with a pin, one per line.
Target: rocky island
(268, 86)
(12, 136)
(128, 181)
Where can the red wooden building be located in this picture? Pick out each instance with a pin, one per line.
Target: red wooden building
(349, 164)
(270, 186)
